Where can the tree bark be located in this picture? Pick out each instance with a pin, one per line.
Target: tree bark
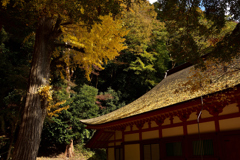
(69, 151)
(68, 76)
(12, 139)
(34, 112)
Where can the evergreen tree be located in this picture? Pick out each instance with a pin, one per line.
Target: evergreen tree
(142, 65)
(186, 21)
(65, 126)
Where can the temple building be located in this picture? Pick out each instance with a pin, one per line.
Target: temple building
(189, 115)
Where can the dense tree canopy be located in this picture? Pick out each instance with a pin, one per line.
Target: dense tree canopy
(186, 14)
(142, 65)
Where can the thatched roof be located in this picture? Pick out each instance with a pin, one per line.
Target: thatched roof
(176, 88)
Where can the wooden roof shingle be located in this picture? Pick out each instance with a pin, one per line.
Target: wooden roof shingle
(170, 91)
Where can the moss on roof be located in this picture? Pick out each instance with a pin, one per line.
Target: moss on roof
(175, 88)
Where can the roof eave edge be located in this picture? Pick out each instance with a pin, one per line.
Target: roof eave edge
(169, 108)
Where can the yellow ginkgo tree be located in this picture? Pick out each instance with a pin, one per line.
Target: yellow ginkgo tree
(84, 27)
(102, 43)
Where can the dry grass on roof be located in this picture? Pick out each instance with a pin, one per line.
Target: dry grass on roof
(181, 86)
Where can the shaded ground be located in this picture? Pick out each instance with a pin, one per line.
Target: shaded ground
(80, 153)
(51, 151)
(57, 153)
(61, 157)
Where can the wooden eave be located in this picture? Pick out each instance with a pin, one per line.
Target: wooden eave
(193, 105)
(100, 139)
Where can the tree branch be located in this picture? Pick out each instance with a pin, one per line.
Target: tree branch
(68, 23)
(70, 47)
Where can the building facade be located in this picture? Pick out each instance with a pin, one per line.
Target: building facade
(165, 124)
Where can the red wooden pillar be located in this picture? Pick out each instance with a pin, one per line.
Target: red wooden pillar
(139, 126)
(160, 121)
(123, 135)
(215, 110)
(114, 138)
(184, 115)
(160, 131)
(217, 128)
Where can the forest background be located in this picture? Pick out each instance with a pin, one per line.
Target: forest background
(154, 43)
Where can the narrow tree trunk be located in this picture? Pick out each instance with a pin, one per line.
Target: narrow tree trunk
(12, 139)
(173, 64)
(69, 151)
(68, 77)
(34, 112)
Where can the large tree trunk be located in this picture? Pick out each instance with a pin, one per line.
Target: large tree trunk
(29, 136)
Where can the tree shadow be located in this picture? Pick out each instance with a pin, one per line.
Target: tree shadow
(46, 150)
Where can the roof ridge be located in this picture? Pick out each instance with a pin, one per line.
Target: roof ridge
(183, 66)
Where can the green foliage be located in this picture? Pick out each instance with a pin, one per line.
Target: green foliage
(66, 126)
(94, 154)
(109, 101)
(142, 65)
(14, 63)
(146, 33)
(83, 104)
(100, 154)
